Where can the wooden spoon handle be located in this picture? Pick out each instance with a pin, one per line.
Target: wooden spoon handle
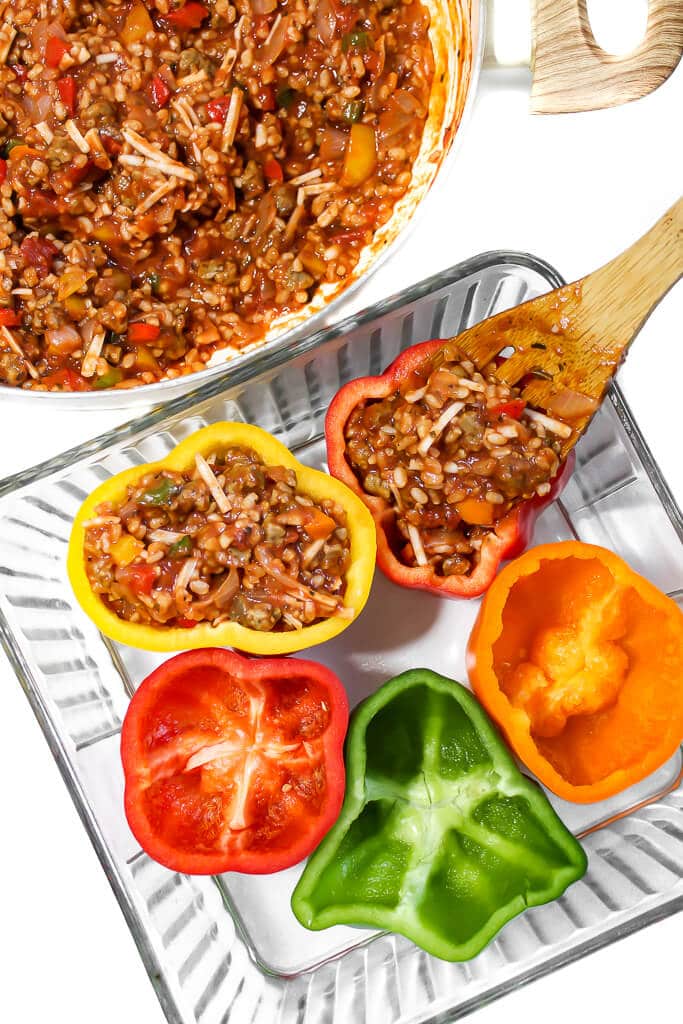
(617, 299)
(571, 72)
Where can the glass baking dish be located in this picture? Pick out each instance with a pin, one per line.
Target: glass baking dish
(228, 948)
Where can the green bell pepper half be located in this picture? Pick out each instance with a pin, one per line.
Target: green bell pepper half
(440, 837)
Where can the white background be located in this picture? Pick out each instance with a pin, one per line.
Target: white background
(573, 189)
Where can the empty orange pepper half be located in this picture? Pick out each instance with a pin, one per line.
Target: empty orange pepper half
(580, 661)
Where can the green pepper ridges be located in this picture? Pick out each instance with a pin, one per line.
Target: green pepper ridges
(440, 837)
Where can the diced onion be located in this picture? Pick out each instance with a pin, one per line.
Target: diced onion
(38, 107)
(333, 144)
(63, 339)
(571, 405)
(41, 31)
(325, 21)
(266, 211)
(274, 44)
(400, 111)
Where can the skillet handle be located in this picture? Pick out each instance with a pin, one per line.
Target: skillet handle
(570, 72)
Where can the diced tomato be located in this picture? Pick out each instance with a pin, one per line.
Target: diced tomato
(55, 48)
(41, 204)
(265, 97)
(514, 409)
(159, 92)
(8, 318)
(66, 87)
(39, 253)
(142, 332)
(62, 181)
(20, 70)
(218, 109)
(348, 235)
(273, 170)
(346, 15)
(66, 378)
(3, 171)
(138, 576)
(112, 146)
(373, 63)
(189, 16)
(186, 623)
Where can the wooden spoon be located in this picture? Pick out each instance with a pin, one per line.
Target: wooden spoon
(565, 347)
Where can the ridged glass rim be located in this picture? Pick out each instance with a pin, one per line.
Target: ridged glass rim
(142, 425)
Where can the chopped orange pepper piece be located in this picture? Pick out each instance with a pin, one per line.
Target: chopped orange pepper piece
(136, 26)
(476, 511)
(126, 549)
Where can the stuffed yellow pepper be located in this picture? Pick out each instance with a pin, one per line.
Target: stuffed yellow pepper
(228, 541)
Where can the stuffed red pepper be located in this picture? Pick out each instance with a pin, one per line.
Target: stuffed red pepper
(452, 464)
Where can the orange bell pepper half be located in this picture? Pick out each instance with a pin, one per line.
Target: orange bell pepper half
(580, 661)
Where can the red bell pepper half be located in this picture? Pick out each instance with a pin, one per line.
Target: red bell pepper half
(234, 763)
(511, 534)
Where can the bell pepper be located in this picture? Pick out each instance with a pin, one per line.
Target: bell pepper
(137, 25)
(440, 837)
(68, 89)
(55, 49)
(191, 15)
(319, 486)
(141, 332)
(580, 662)
(360, 158)
(511, 534)
(158, 91)
(273, 170)
(9, 318)
(233, 763)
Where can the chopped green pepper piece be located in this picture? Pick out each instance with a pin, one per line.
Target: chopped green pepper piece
(358, 39)
(109, 379)
(440, 837)
(153, 280)
(353, 111)
(285, 98)
(10, 145)
(181, 548)
(162, 494)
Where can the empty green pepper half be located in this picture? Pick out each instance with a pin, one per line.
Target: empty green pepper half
(440, 838)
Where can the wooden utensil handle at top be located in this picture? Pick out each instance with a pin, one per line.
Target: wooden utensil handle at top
(570, 72)
(617, 299)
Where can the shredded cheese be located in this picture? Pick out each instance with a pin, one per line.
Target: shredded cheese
(438, 428)
(418, 548)
(75, 134)
(231, 119)
(556, 426)
(209, 478)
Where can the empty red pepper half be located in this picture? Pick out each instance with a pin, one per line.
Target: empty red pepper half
(511, 534)
(234, 763)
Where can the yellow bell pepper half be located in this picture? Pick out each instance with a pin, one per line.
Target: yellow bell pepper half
(311, 482)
